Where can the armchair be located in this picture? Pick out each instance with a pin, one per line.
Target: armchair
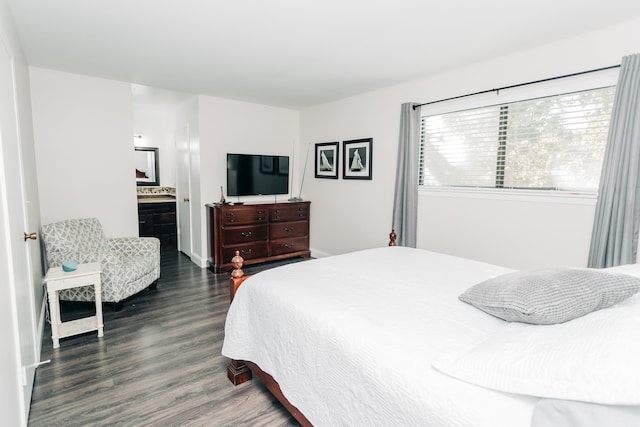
(129, 264)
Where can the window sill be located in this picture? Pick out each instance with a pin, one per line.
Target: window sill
(533, 196)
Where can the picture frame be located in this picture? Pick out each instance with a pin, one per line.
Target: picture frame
(326, 160)
(147, 166)
(357, 157)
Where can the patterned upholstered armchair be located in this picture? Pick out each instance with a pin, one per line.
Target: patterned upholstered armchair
(129, 264)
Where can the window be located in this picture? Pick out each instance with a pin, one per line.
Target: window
(548, 143)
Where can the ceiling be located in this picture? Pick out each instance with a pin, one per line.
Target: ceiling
(291, 53)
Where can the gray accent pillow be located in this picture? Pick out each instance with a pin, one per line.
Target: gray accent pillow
(550, 296)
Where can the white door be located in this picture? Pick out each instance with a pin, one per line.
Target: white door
(183, 190)
(17, 307)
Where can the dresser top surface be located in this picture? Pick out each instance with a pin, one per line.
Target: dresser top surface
(270, 205)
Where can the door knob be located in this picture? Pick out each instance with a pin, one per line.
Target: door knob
(32, 236)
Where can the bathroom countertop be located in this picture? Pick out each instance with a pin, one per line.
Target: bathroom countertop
(156, 194)
(156, 199)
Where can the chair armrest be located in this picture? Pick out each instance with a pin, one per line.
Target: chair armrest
(134, 246)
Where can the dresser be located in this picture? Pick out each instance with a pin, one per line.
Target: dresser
(260, 232)
(158, 219)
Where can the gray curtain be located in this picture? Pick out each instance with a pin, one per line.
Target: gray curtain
(614, 240)
(405, 201)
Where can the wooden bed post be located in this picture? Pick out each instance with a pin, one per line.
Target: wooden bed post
(392, 238)
(237, 371)
(237, 275)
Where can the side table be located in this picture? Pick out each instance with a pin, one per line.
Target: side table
(57, 280)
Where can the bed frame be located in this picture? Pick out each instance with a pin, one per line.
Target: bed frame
(240, 371)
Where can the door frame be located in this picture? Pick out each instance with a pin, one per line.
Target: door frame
(183, 179)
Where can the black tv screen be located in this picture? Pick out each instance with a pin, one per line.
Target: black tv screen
(254, 174)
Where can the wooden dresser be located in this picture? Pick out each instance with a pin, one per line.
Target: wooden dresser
(260, 232)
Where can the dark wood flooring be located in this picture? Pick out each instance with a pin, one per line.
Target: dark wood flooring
(158, 364)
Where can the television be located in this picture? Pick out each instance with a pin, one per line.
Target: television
(255, 174)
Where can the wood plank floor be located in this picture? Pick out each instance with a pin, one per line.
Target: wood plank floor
(158, 364)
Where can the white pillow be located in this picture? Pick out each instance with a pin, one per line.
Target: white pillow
(594, 358)
(630, 269)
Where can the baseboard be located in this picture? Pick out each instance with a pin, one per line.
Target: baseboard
(40, 332)
(198, 260)
(319, 254)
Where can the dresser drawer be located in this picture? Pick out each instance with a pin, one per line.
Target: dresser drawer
(285, 246)
(244, 234)
(289, 213)
(283, 230)
(244, 215)
(248, 252)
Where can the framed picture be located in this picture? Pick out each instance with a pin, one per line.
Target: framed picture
(357, 160)
(327, 160)
(147, 166)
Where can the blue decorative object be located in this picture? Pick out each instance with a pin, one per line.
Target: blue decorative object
(69, 265)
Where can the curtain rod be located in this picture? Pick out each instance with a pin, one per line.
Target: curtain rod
(518, 85)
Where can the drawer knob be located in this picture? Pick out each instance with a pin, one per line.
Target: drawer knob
(247, 234)
(246, 252)
(231, 214)
(289, 245)
(289, 229)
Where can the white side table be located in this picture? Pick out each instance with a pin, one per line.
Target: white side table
(57, 280)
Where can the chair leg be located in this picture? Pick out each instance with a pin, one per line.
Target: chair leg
(154, 285)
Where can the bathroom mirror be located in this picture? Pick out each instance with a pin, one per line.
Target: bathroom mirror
(147, 169)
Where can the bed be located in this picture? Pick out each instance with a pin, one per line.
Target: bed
(380, 337)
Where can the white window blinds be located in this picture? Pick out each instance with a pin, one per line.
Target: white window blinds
(554, 143)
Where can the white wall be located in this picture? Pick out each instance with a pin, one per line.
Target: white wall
(227, 126)
(83, 131)
(348, 215)
(156, 128)
(515, 233)
(352, 215)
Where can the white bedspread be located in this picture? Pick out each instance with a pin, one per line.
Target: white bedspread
(350, 339)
